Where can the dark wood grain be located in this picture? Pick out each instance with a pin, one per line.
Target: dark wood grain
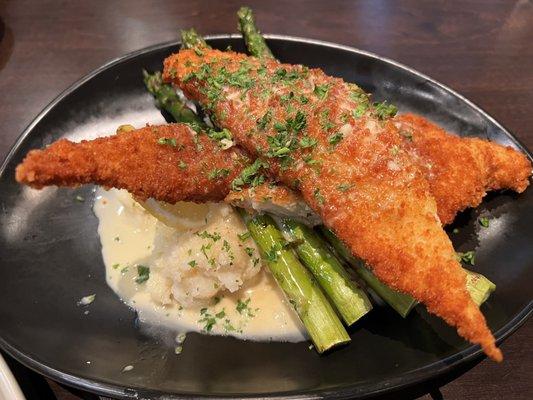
(481, 48)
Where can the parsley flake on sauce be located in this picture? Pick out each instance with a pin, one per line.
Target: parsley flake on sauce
(143, 274)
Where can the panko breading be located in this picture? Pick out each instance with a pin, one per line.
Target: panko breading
(164, 162)
(460, 171)
(321, 135)
(469, 166)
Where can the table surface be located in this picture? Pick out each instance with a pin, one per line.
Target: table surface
(481, 48)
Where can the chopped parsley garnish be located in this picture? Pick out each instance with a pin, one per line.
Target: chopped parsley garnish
(309, 160)
(287, 97)
(250, 176)
(272, 254)
(384, 110)
(343, 187)
(303, 100)
(469, 257)
(484, 222)
(218, 173)
(143, 274)
(318, 196)
(281, 74)
(335, 138)
(192, 263)
(219, 135)
(263, 122)
(306, 142)
(244, 236)
(243, 308)
(182, 165)
(207, 319)
(116, 266)
(167, 141)
(284, 141)
(321, 91)
(325, 122)
(360, 110)
(249, 251)
(206, 235)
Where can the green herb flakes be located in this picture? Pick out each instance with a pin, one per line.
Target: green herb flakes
(218, 173)
(384, 110)
(143, 274)
(335, 138)
(167, 141)
(321, 91)
(343, 187)
(484, 222)
(468, 258)
(318, 196)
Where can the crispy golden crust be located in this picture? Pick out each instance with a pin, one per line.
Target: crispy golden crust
(136, 161)
(384, 211)
(460, 171)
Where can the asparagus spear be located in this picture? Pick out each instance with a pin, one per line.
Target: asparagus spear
(167, 98)
(350, 300)
(478, 286)
(191, 40)
(252, 37)
(401, 302)
(302, 290)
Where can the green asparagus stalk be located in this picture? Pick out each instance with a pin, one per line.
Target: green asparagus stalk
(302, 290)
(168, 100)
(350, 300)
(252, 37)
(190, 39)
(478, 286)
(401, 302)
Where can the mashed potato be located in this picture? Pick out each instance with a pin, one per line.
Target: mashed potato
(192, 267)
(205, 279)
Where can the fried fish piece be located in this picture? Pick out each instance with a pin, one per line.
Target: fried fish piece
(164, 162)
(322, 136)
(460, 170)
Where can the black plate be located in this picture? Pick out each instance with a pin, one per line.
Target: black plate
(50, 257)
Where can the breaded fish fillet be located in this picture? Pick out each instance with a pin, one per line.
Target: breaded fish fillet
(469, 166)
(164, 162)
(320, 135)
(460, 171)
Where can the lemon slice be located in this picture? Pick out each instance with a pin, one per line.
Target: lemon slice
(183, 215)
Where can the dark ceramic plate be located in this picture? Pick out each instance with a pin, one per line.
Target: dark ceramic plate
(50, 257)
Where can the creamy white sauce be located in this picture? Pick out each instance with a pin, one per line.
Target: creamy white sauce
(257, 311)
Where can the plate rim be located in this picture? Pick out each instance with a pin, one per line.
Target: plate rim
(419, 375)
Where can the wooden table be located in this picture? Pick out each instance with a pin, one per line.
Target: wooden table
(481, 48)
